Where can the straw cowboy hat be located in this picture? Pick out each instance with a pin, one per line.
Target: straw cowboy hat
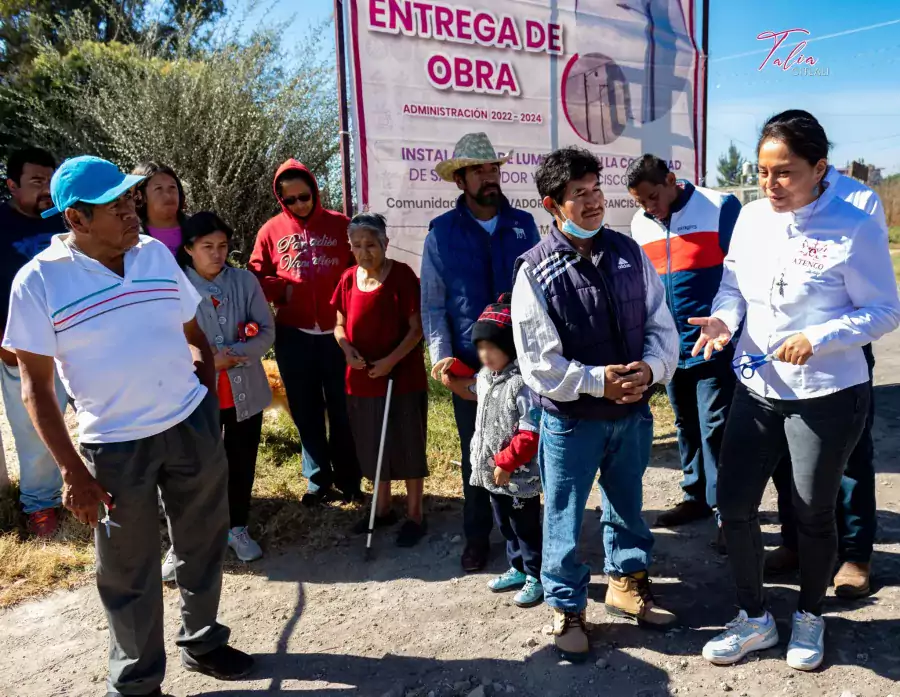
(472, 149)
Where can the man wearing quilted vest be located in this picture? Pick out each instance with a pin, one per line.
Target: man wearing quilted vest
(468, 263)
(593, 333)
(684, 231)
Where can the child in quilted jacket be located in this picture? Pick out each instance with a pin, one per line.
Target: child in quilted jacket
(504, 451)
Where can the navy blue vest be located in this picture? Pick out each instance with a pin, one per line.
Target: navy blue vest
(598, 306)
(477, 267)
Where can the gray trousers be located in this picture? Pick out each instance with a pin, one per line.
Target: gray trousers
(187, 462)
(818, 434)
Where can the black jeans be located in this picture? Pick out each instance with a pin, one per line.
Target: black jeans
(818, 434)
(701, 398)
(521, 528)
(857, 514)
(241, 448)
(477, 521)
(312, 368)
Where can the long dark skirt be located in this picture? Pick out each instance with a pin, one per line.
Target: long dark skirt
(404, 448)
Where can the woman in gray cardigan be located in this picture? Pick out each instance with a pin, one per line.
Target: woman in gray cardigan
(240, 328)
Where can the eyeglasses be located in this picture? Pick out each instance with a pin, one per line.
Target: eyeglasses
(749, 363)
(291, 200)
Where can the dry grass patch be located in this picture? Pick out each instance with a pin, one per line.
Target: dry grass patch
(30, 568)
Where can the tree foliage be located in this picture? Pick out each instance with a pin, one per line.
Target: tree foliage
(223, 116)
(26, 23)
(729, 166)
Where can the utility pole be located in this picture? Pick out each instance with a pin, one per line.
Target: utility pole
(344, 120)
(704, 49)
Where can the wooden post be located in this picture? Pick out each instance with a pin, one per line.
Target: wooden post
(340, 51)
(704, 47)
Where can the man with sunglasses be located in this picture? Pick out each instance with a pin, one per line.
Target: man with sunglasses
(299, 257)
(112, 309)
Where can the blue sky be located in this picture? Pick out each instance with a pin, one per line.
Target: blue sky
(858, 102)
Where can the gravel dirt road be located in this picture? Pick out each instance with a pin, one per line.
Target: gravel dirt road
(410, 623)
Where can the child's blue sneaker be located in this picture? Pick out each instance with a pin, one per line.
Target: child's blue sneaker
(531, 594)
(509, 581)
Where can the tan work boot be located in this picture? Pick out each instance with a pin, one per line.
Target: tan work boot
(631, 597)
(570, 635)
(852, 580)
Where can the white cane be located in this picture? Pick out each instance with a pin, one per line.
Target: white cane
(384, 424)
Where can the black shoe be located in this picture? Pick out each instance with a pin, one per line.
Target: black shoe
(781, 561)
(411, 533)
(475, 556)
(353, 497)
(311, 499)
(718, 542)
(222, 663)
(381, 521)
(685, 512)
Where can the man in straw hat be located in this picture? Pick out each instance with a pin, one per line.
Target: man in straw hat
(467, 263)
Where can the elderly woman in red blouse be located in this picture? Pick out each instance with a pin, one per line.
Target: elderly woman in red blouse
(379, 328)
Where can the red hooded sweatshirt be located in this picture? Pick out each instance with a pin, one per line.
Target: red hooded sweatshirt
(308, 254)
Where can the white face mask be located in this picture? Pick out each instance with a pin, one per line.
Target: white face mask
(575, 230)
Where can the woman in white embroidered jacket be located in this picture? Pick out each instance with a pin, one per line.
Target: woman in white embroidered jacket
(810, 277)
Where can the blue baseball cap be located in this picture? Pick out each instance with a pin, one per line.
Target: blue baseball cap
(89, 180)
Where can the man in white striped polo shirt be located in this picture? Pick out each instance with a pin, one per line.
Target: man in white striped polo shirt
(114, 311)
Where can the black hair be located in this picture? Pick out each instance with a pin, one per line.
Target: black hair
(197, 226)
(149, 170)
(295, 175)
(86, 209)
(562, 166)
(15, 165)
(800, 132)
(647, 168)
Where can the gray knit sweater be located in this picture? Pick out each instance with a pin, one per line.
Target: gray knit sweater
(505, 405)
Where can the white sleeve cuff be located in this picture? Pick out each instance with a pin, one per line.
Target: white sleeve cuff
(594, 381)
(658, 368)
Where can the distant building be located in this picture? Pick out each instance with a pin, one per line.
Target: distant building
(744, 194)
(869, 175)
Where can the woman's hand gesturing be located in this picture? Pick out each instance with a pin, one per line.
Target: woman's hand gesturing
(714, 336)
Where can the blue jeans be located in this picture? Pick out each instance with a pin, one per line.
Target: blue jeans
(701, 397)
(40, 483)
(572, 451)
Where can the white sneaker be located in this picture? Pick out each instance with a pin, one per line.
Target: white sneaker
(244, 546)
(807, 647)
(741, 637)
(168, 566)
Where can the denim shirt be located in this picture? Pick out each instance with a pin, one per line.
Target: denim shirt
(241, 300)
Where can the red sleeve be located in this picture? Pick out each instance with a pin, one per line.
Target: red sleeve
(263, 267)
(339, 299)
(409, 293)
(520, 451)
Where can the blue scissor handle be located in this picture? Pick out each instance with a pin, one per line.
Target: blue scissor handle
(749, 363)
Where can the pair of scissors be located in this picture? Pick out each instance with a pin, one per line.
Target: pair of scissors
(749, 363)
(107, 522)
